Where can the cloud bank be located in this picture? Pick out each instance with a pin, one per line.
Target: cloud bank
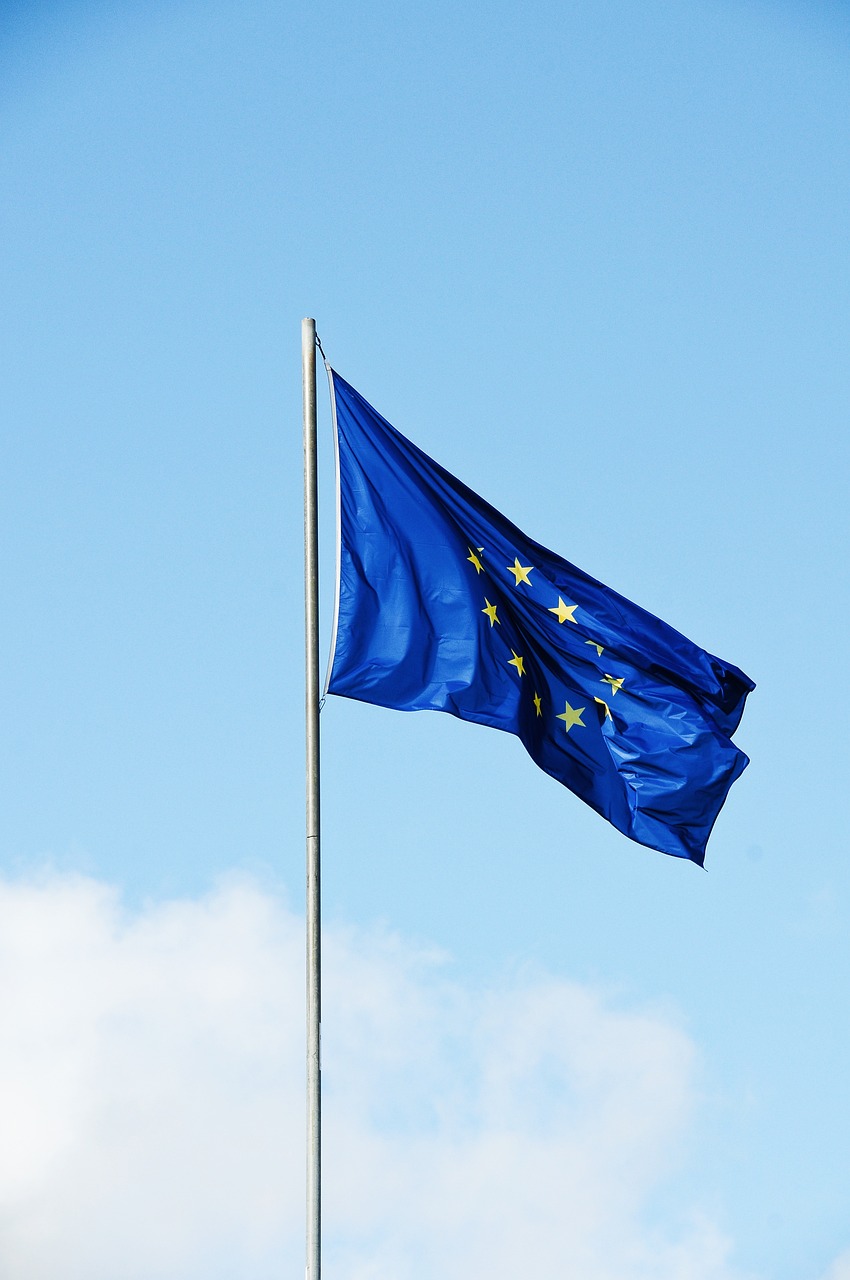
(151, 1105)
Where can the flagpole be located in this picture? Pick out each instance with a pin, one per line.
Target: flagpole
(311, 633)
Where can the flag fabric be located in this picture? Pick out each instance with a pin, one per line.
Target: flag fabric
(443, 604)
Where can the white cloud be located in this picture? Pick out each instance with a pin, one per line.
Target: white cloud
(151, 1105)
(148, 1085)
(840, 1269)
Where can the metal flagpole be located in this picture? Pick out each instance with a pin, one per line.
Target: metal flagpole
(314, 956)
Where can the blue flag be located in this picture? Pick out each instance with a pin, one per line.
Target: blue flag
(444, 604)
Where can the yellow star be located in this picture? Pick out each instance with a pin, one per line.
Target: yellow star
(597, 647)
(516, 661)
(604, 704)
(571, 716)
(615, 683)
(564, 611)
(473, 560)
(537, 704)
(490, 610)
(520, 572)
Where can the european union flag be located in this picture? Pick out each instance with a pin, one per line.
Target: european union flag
(444, 604)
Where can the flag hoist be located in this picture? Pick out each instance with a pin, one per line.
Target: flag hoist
(314, 953)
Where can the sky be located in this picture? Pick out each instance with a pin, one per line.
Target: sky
(594, 259)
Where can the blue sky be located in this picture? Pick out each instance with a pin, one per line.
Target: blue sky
(594, 260)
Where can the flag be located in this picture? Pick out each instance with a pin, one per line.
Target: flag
(443, 604)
